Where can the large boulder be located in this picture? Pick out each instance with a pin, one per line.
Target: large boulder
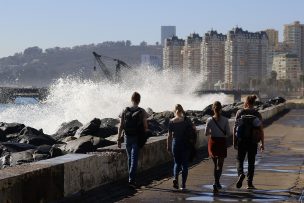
(15, 147)
(21, 157)
(11, 128)
(156, 128)
(208, 110)
(83, 144)
(35, 137)
(67, 129)
(91, 128)
(99, 142)
(229, 110)
(276, 101)
(108, 127)
(47, 151)
(105, 122)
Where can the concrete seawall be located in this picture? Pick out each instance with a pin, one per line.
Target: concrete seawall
(52, 179)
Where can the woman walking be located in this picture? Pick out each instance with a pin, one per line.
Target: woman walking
(178, 145)
(217, 127)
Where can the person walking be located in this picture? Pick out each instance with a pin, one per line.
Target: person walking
(177, 143)
(217, 127)
(247, 132)
(133, 122)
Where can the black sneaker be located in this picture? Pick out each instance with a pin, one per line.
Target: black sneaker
(218, 185)
(250, 186)
(175, 184)
(215, 189)
(132, 184)
(240, 181)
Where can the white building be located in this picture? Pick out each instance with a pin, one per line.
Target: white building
(172, 53)
(192, 54)
(213, 58)
(287, 67)
(294, 38)
(245, 58)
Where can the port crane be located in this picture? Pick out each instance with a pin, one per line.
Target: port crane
(104, 68)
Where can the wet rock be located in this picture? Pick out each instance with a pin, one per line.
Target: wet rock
(229, 110)
(162, 115)
(50, 151)
(99, 142)
(105, 122)
(12, 137)
(15, 147)
(21, 157)
(35, 137)
(67, 129)
(11, 128)
(108, 127)
(276, 101)
(5, 161)
(2, 136)
(149, 111)
(156, 128)
(39, 157)
(208, 110)
(67, 139)
(83, 144)
(91, 128)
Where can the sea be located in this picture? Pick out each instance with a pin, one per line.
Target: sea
(73, 98)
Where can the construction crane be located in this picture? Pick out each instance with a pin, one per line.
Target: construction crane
(104, 68)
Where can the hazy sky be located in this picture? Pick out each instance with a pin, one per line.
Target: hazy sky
(65, 23)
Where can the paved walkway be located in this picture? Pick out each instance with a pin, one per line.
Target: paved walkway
(278, 178)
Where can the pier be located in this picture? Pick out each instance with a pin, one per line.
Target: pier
(279, 175)
(102, 176)
(9, 94)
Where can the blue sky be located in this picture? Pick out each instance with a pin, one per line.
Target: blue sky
(65, 23)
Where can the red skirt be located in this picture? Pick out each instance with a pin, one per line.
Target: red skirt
(217, 147)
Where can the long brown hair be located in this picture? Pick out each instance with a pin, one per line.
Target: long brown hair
(217, 107)
(179, 109)
(249, 102)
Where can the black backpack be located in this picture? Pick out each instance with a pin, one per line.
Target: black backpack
(133, 121)
(245, 126)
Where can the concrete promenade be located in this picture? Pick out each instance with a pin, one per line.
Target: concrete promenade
(278, 178)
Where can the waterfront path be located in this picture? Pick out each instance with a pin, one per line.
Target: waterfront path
(278, 178)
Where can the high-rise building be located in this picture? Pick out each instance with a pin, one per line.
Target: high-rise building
(167, 32)
(172, 53)
(287, 67)
(273, 37)
(192, 54)
(273, 44)
(245, 58)
(213, 58)
(294, 38)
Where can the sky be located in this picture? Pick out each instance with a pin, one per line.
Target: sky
(67, 23)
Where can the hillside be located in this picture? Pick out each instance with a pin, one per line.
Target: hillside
(37, 67)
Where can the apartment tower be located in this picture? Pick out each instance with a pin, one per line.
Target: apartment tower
(172, 53)
(245, 58)
(192, 54)
(213, 58)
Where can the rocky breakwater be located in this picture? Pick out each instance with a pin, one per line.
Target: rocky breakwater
(21, 144)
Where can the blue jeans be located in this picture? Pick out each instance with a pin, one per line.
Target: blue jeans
(181, 157)
(132, 152)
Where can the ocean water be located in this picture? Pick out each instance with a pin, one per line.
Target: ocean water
(71, 98)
